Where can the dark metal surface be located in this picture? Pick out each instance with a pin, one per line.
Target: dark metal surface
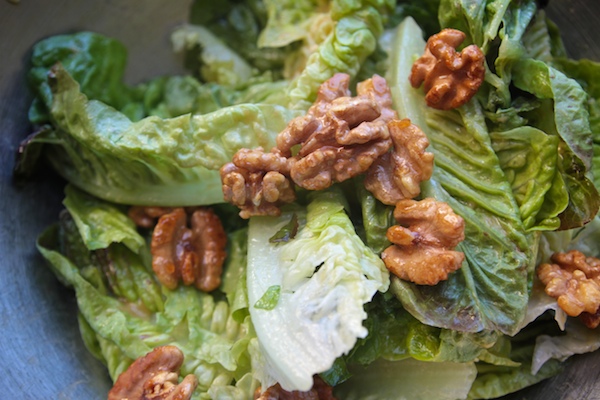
(41, 354)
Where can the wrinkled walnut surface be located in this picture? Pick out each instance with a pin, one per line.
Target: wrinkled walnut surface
(450, 78)
(574, 280)
(146, 217)
(154, 376)
(397, 175)
(194, 254)
(257, 182)
(319, 391)
(340, 136)
(423, 242)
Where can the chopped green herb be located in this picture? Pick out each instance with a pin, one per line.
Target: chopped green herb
(269, 300)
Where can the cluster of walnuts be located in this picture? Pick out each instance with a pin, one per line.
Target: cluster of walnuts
(340, 137)
(573, 279)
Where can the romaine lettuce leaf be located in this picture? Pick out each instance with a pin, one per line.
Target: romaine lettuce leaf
(578, 339)
(95, 61)
(529, 157)
(218, 63)
(288, 21)
(325, 275)
(101, 223)
(571, 122)
(490, 290)
(153, 161)
(125, 312)
(358, 24)
(587, 73)
(479, 20)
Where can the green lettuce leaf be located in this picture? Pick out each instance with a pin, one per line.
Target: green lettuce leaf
(100, 223)
(325, 274)
(479, 20)
(578, 339)
(571, 123)
(120, 324)
(153, 161)
(95, 61)
(528, 157)
(587, 73)
(218, 63)
(239, 25)
(288, 21)
(358, 24)
(490, 290)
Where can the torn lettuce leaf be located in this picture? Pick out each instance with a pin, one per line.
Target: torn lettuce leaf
(528, 157)
(479, 20)
(124, 313)
(325, 274)
(571, 122)
(578, 339)
(153, 161)
(490, 290)
(101, 223)
(288, 21)
(95, 61)
(358, 24)
(218, 63)
(587, 73)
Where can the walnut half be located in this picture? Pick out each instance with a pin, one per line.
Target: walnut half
(154, 376)
(194, 254)
(422, 250)
(397, 175)
(574, 280)
(257, 182)
(450, 78)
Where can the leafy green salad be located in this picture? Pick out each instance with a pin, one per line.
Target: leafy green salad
(520, 163)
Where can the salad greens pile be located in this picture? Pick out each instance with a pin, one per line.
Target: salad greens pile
(520, 163)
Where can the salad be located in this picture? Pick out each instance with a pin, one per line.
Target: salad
(304, 300)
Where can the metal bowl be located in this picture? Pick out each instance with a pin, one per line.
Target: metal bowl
(41, 353)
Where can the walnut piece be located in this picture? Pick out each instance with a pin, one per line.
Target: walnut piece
(422, 244)
(574, 280)
(340, 136)
(319, 391)
(397, 175)
(154, 376)
(450, 78)
(257, 182)
(146, 217)
(194, 254)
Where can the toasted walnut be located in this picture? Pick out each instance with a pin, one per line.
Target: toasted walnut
(154, 376)
(194, 255)
(423, 242)
(319, 391)
(340, 136)
(450, 78)
(146, 217)
(590, 320)
(397, 174)
(574, 280)
(257, 182)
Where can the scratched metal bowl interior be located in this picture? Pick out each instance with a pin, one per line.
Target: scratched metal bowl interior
(41, 353)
